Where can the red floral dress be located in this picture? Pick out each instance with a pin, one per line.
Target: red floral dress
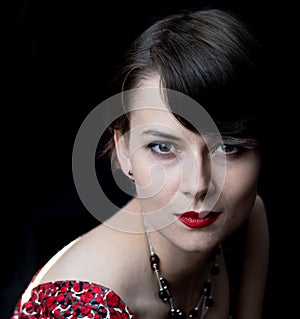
(71, 299)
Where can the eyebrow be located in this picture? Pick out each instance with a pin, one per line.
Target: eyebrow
(161, 134)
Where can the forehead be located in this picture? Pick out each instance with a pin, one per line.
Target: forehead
(147, 95)
(149, 103)
(148, 106)
(155, 118)
(161, 124)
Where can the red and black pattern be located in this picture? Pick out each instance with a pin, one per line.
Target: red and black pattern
(72, 299)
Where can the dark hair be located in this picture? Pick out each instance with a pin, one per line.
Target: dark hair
(209, 55)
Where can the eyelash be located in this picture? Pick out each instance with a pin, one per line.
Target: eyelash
(171, 148)
(234, 149)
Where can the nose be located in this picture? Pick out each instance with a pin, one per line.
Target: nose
(196, 177)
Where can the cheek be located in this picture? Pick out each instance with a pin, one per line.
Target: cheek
(154, 181)
(239, 191)
(242, 176)
(241, 183)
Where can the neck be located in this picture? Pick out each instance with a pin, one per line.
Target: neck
(186, 290)
(184, 270)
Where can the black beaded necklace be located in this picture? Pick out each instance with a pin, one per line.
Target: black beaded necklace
(206, 300)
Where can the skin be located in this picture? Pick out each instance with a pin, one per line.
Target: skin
(174, 174)
(181, 169)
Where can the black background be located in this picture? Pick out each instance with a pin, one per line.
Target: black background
(57, 61)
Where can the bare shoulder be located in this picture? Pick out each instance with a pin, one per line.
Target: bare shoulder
(259, 210)
(255, 264)
(94, 257)
(69, 262)
(258, 224)
(259, 205)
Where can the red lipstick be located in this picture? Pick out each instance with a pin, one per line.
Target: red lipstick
(193, 220)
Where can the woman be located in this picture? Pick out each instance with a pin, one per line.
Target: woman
(193, 241)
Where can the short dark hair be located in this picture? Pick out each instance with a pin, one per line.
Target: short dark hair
(209, 55)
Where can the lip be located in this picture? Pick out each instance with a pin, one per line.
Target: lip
(193, 219)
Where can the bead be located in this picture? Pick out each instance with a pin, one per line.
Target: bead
(217, 251)
(207, 288)
(211, 258)
(163, 282)
(177, 314)
(209, 302)
(194, 313)
(164, 295)
(215, 270)
(154, 267)
(154, 260)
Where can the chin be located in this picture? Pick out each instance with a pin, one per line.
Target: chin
(200, 244)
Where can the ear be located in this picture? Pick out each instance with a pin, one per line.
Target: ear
(122, 151)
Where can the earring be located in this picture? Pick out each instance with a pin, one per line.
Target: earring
(130, 175)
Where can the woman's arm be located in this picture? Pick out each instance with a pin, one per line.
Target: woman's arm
(255, 264)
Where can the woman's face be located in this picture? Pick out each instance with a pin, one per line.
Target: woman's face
(194, 190)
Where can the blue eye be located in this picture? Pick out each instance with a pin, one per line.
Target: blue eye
(162, 148)
(228, 149)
